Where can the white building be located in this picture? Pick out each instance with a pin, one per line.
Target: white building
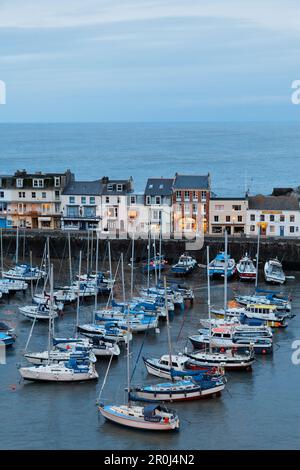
(277, 216)
(228, 213)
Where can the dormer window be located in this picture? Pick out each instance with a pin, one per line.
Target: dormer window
(109, 187)
(19, 183)
(119, 187)
(57, 181)
(161, 186)
(38, 183)
(150, 186)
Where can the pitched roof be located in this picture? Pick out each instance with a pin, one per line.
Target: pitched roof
(159, 187)
(192, 182)
(83, 188)
(261, 202)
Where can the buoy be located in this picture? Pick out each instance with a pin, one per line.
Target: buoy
(13, 387)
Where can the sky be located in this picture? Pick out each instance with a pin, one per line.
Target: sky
(149, 60)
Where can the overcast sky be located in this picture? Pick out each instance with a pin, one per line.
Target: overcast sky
(149, 60)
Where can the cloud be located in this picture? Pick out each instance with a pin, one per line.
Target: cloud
(270, 14)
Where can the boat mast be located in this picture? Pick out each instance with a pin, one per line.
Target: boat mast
(148, 270)
(225, 272)
(110, 268)
(1, 250)
(168, 324)
(155, 259)
(70, 259)
(123, 277)
(132, 261)
(78, 295)
(88, 254)
(17, 246)
(257, 258)
(128, 362)
(92, 248)
(51, 319)
(160, 242)
(208, 296)
(96, 267)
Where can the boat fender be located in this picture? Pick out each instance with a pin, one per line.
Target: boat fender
(166, 419)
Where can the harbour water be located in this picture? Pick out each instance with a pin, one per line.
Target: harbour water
(257, 410)
(238, 155)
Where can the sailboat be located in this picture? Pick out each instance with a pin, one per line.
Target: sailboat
(152, 417)
(78, 367)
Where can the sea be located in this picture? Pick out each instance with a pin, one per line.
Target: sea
(259, 409)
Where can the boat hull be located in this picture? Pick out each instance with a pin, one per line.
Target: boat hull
(137, 424)
(29, 373)
(178, 396)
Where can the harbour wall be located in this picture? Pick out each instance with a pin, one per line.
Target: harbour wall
(286, 249)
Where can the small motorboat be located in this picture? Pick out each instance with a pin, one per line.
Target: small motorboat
(217, 266)
(150, 417)
(246, 269)
(184, 265)
(266, 298)
(229, 359)
(264, 314)
(273, 272)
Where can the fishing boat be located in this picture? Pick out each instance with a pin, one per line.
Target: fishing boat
(266, 298)
(265, 314)
(185, 265)
(24, 272)
(246, 269)
(217, 266)
(226, 337)
(273, 272)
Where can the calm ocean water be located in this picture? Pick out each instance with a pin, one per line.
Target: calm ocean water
(257, 155)
(259, 409)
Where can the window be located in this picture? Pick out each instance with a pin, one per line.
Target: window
(148, 200)
(107, 199)
(132, 199)
(292, 218)
(186, 208)
(204, 208)
(262, 217)
(72, 199)
(90, 211)
(83, 200)
(178, 195)
(195, 196)
(21, 194)
(161, 186)
(157, 199)
(272, 218)
(109, 187)
(272, 228)
(227, 218)
(252, 217)
(195, 209)
(1, 193)
(19, 183)
(150, 186)
(38, 183)
(203, 195)
(45, 208)
(92, 200)
(119, 187)
(252, 228)
(216, 218)
(186, 195)
(33, 195)
(240, 218)
(57, 207)
(113, 212)
(237, 207)
(44, 195)
(118, 200)
(155, 215)
(292, 229)
(219, 207)
(282, 218)
(72, 211)
(57, 181)
(57, 194)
